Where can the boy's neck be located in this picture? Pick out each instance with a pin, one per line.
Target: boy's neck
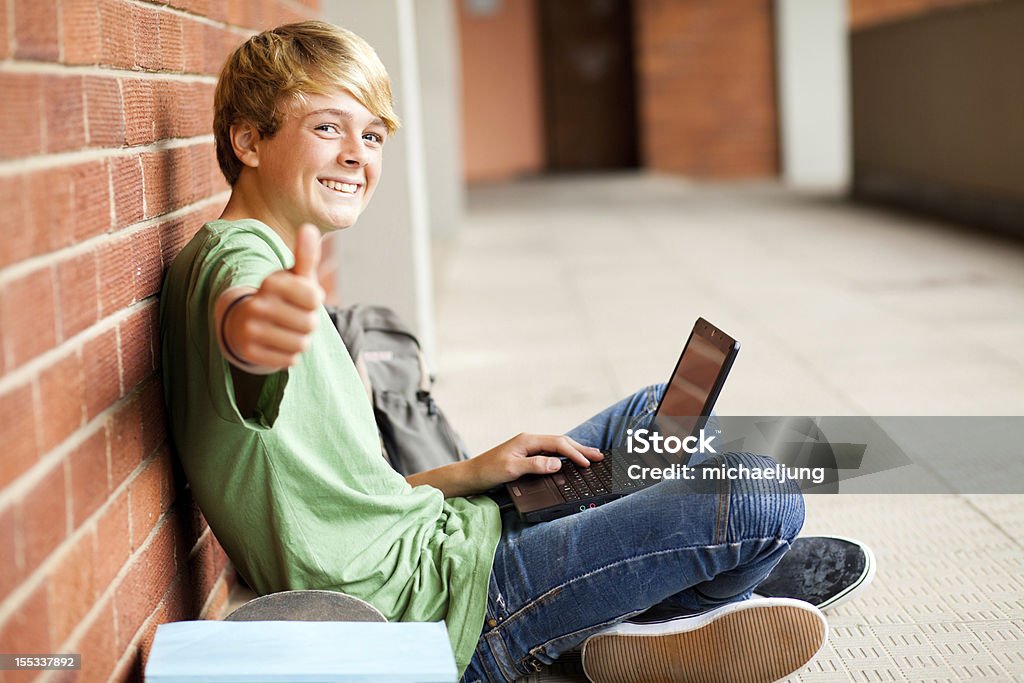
(246, 202)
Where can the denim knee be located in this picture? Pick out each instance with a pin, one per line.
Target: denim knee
(765, 506)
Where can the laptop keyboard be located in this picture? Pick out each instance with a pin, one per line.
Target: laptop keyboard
(601, 478)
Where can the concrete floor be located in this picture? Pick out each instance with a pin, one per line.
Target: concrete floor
(562, 295)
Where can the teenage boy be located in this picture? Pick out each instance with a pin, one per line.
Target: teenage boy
(279, 444)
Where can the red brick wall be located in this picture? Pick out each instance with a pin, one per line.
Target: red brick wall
(871, 12)
(706, 72)
(106, 169)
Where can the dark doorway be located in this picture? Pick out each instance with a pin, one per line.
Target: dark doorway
(590, 118)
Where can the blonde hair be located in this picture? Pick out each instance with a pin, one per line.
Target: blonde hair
(270, 70)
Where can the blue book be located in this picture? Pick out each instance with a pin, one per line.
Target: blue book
(306, 651)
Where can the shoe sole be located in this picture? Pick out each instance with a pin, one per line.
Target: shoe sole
(754, 641)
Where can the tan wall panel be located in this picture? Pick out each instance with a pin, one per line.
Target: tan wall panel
(940, 101)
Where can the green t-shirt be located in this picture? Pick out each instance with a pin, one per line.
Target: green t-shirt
(298, 494)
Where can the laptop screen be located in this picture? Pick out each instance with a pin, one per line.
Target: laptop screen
(694, 386)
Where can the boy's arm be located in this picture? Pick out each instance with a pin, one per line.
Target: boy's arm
(522, 454)
(262, 331)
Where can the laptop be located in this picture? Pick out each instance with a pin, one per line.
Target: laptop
(692, 390)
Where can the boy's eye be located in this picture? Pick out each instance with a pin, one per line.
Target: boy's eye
(327, 128)
(374, 137)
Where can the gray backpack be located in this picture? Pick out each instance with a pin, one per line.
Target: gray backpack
(415, 435)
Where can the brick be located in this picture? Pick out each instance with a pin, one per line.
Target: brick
(202, 160)
(22, 240)
(207, 214)
(286, 15)
(135, 351)
(23, 113)
(51, 200)
(193, 40)
(146, 24)
(61, 398)
(177, 600)
(187, 110)
(238, 14)
(27, 316)
(155, 344)
(164, 178)
(99, 640)
(166, 106)
(102, 373)
(89, 484)
(42, 513)
(150, 495)
(197, 522)
(117, 274)
(90, 183)
(203, 568)
(80, 32)
(50, 197)
(158, 617)
(149, 575)
(688, 51)
(125, 429)
(5, 45)
(154, 419)
(10, 572)
(71, 585)
(201, 97)
(182, 178)
(139, 111)
(219, 43)
(175, 233)
(79, 293)
(35, 30)
(126, 177)
(17, 432)
(216, 601)
(117, 34)
(148, 264)
(105, 113)
(201, 7)
(215, 9)
(27, 628)
(113, 540)
(64, 105)
(172, 55)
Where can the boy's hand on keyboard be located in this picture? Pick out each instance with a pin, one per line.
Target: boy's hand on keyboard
(528, 454)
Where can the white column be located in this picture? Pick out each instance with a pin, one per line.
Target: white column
(437, 36)
(385, 257)
(812, 57)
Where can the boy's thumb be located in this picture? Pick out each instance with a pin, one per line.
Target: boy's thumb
(307, 251)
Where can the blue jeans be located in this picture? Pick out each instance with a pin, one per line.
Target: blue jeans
(556, 583)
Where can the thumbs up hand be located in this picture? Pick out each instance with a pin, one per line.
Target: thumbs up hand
(307, 251)
(267, 330)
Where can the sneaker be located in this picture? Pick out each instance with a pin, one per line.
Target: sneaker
(825, 571)
(751, 641)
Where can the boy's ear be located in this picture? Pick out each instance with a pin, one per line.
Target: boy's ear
(245, 142)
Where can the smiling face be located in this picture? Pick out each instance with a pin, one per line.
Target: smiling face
(321, 166)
